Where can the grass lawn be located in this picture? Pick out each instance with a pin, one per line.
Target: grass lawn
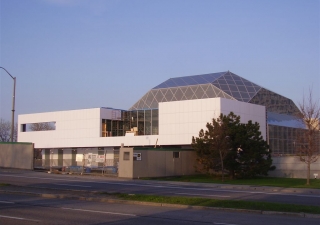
(259, 181)
(236, 204)
(263, 206)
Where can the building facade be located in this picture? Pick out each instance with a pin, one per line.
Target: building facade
(165, 118)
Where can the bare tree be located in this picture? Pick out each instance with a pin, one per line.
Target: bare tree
(308, 140)
(5, 131)
(42, 126)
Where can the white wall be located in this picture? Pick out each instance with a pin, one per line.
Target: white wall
(246, 111)
(70, 125)
(292, 167)
(76, 128)
(178, 122)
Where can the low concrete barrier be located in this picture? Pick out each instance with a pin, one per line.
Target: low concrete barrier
(16, 155)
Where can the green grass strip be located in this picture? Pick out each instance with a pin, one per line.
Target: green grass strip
(236, 204)
(259, 181)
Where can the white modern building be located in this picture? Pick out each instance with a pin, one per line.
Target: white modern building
(163, 120)
(177, 122)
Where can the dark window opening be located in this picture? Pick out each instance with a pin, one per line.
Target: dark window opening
(176, 155)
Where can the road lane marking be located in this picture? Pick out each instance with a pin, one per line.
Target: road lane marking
(168, 187)
(103, 212)
(224, 223)
(72, 185)
(222, 196)
(18, 218)
(6, 202)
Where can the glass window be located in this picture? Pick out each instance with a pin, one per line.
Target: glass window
(41, 126)
(244, 95)
(250, 89)
(148, 122)
(178, 82)
(228, 76)
(104, 128)
(236, 95)
(158, 96)
(233, 88)
(224, 88)
(222, 81)
(237, 79)
(168, 96)
(190, 80)
(211, 77)
(247, 83)
(231, 82)
(148, 99)
(134, 119)
(178, 94)
(274, 102)
(189, 93)
(201, 79)
(242, 88)
(155, 122)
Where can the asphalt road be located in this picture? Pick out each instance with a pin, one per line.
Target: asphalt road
(28, 210)
(107, 184)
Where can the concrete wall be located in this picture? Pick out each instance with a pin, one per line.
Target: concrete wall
(16, 155)
(292, 167)
(125, 169)
(156, 163)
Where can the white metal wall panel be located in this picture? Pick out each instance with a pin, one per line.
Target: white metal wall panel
(178, 122)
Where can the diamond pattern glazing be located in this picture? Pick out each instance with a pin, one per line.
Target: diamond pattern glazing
(154, 96)
(275, 102)
(237, 87)
(225, 85)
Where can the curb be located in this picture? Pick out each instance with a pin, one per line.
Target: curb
(112, 200)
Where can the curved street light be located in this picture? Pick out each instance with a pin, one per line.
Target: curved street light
(13, 102)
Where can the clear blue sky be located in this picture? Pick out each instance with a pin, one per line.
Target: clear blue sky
(74, 54)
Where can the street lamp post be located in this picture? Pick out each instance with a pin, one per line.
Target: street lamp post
(13, 102)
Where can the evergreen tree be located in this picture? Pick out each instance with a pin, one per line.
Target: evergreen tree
(230, 145)
(213, 145)
(250, 154)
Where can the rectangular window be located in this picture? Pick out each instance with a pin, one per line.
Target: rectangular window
(155, 122)
(41, 126)
(148, 122)
(104, 128)
(23, 127)
(126, 156)
(112, 128)
(176, 155)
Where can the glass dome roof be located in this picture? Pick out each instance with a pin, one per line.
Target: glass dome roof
(223, 84)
